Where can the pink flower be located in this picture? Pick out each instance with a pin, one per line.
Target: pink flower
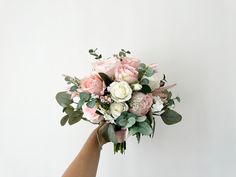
(140, 103)
(90, 114)
(120, 135)
(93, 84)
(125, 72)
(131, 62)
(106, 66)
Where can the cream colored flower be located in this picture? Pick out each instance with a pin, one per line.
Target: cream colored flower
(120, 91)
(117, 108)
(136, 87)
(158, 104)
(154, 81)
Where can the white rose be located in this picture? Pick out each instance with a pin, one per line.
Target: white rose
(120, 91)
(136, 87)
(117, 108)
(154, 81)
(158, 104)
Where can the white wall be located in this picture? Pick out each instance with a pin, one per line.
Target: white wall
(191, 40)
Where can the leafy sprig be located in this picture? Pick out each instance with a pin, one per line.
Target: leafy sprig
(93, 53)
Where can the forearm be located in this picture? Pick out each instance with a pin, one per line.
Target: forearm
(86, 162)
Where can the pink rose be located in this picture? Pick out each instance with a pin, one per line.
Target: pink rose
(126, 73)
(106, 66)
(140, 103)
(90, 114)
(93, 84)
(120, 135)
(131, 62)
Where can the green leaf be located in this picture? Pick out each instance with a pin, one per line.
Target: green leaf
(122, 54)
(63, 99)
(98, 57)
(75, 117)
(126, 120)
(84, 96)
(142, 66)
(169, 95)
(149, 72)
(171, 102)
(141, 127)
(146, 89)
(90, 50)
(105, 78)
(73, 88)
(138, 136)
(171, 117)
(64, 120)
(164, 78)
(68, 110)
(109, 134)
(178, 99)
(92, 102)
(144, 81)
(80, 104)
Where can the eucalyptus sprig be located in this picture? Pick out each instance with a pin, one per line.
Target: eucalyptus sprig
(93, 53)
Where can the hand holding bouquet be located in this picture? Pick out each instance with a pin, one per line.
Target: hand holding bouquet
(123, 92)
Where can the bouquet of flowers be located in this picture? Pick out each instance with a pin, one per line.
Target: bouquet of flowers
(123, 92)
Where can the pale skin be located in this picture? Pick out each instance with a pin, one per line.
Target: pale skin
(86, 162)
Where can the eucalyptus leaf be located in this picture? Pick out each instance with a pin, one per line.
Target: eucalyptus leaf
(146, 89)
(68, 110)
(80, 104)
(75, 117)
(149, 72)
(109, 134)
(178, 99)
(171, 117)
(141, 127)
(63, 99)
(73, 88)
(144, 81)
(84, 96)
(142, 66)
(64, 120)
(126, 120)
(92, 102)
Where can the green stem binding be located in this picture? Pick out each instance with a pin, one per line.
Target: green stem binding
(120, 147)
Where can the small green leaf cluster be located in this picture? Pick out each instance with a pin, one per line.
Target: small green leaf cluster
(86, 98)
(144, 70)
(169, 116)
(93, 53)
(123, 53)
(72, 116)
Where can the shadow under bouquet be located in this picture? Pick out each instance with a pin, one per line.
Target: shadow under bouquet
(125, 93)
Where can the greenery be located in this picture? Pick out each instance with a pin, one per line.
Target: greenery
(93, 53)
(123, 53)
(64, 99)
(126, 120)
(141, 127)
(171, 117)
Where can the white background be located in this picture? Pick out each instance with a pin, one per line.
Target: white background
(191, 40)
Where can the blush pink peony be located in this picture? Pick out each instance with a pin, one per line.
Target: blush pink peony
(106, 66)
(131, 62)
(125, 72)
(93, 84)
(140, 103)
(90, 114)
